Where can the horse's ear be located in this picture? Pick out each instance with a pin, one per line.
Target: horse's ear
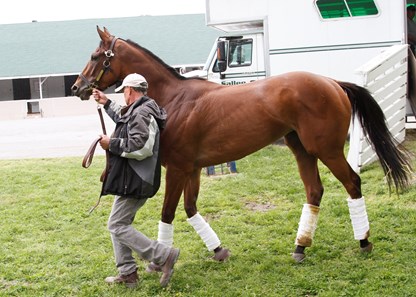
(103, 34)
(106, 31)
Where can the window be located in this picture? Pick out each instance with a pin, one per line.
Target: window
(330, 9)
(240, 53)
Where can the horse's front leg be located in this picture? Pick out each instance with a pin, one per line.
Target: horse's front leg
(175, 181)
(203, 229)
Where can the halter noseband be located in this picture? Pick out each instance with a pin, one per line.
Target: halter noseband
(106, 66)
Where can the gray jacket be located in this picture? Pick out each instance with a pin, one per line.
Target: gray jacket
(134, 165)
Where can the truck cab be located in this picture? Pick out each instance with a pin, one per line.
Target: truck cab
(234, 60)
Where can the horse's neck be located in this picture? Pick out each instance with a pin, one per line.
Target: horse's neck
(163, 85)
(164, 88)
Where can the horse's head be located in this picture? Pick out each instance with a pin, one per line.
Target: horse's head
(102, 71)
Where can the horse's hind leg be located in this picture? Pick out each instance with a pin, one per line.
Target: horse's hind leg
(203, 229)
(356, 203)
(308, 169)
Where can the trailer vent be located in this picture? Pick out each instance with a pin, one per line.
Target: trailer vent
(330, 9)
(33, 107)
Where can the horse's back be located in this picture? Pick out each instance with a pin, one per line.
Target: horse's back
(314, 106)
(263, 111)
(294, 96)
(317, 107)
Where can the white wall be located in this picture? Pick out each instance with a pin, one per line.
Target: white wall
(298, 39)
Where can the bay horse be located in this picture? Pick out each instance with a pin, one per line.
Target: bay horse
(209, 124)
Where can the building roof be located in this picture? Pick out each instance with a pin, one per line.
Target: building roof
(56, 48)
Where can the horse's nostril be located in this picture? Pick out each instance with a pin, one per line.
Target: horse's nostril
(74, 90)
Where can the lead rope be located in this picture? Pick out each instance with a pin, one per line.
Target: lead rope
(86, 162)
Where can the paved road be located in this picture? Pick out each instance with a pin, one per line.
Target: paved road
(50, 137)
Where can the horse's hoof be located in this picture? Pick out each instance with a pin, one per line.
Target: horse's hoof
(222, 255)
(298, 257)
(367, 249)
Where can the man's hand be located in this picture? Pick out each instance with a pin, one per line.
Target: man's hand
(99, 96)
(105, 142)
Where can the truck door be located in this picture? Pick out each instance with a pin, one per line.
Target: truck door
(243, 60)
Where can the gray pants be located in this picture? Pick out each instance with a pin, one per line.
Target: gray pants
(126, 239)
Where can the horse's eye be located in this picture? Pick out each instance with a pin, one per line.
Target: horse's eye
(94, 57)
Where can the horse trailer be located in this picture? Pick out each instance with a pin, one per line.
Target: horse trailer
(362, 41)
(328, 37)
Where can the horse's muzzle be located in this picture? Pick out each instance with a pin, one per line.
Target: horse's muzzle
(82, 93)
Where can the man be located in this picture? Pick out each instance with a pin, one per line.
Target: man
(411, 26)
(133, 150)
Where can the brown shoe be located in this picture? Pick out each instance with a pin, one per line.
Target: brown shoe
(129, 280)
(167, 268)
(153, 267)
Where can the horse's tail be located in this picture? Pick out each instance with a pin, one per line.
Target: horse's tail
(393, 157)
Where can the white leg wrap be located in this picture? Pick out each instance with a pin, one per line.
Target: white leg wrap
(165, 234)
(205, 231)
(359, 219)
(307, 225)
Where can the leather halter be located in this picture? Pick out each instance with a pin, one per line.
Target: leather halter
(106, 66)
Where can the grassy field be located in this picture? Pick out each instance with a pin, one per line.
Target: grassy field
(50, 246)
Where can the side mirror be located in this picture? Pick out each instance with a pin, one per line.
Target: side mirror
(221, 56)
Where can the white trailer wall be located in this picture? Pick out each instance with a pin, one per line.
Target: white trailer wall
(297, 38)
